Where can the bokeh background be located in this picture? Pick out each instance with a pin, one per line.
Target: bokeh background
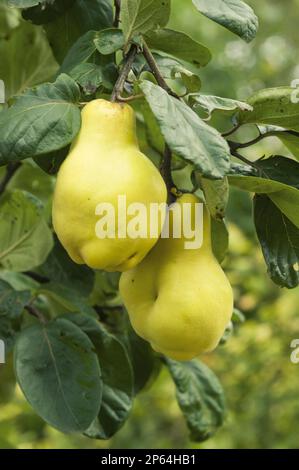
(260, 381)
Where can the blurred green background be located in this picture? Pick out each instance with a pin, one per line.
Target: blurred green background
(260, 382)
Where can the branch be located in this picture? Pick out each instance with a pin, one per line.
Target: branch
(154, 68)
(165, 171)
(236, 154)
(10, 171)
(117, 5)
(237, 145)
(120, 83)
(37, 277)
(35, 313)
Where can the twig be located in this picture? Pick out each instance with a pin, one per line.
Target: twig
(37, 277)
(243, 159)
(117, 4)
(35, 313)
(231, 131)
(10, 171)
(120, 83)
(126, 99)
(165, 170)
(155, 69)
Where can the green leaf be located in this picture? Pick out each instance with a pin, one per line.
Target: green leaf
(200, 397)
(291, 141)
(81, 51)
(212, 103)
(44, 119)
(9, 20)
(279, 239)
(59, 268)
(220, 239)
(179, 45)
(109, 41)
(46, 11)
(26, 59)
(117, 378)
(141, 16)
(68, 297)
(22, 3)
(274, 106)
(25, 239)
(12, 302)
(235, 15)
(83, 16)
(143, 359)
(8, 333)
(216, 195)
(186, 134)
(277, 176)
(88, 76)
(59, 374)
(51, 162)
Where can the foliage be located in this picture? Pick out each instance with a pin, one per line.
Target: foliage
(80, 320)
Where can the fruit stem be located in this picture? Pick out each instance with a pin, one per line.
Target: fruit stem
(155, 69)
(165, 170)
(120, 83)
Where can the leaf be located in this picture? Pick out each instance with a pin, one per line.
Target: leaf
(220, 239)
(186, 134)
(59, 374)
(291, 141)
(88, 76)
(68, 297)
(44, 119)
(274, 106)
(7, 333)
(46, 11)
(51, 162)
(235, 15)
(212, 103)
(26, 59)
(200, 397)
(25, 239)
(141, 16)
(279, 239)
(109, 41)
(12, 302)
(83, 16)
(81, 51)
(22, 3)
(9, 20)
(59, 268)
(143, 359)
(117, 378)
(276, 176)
(216, 195)
(179, 45)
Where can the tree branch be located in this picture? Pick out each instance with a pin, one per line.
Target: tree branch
(155, 69)
(37, 277)
(120, 83)
(35, 313)
(117, 5)
(10, 171)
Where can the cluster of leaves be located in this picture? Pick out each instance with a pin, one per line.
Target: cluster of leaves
(76, 358)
